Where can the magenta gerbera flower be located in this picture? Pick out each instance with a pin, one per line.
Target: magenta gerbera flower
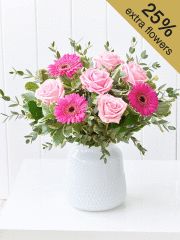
(71, 109)
(67, 65)
(143, 99)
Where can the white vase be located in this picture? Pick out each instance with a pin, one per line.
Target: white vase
(93, 185)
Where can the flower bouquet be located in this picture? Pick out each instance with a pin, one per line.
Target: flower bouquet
(92, 101)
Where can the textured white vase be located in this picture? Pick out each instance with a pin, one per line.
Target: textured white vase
(93, 185)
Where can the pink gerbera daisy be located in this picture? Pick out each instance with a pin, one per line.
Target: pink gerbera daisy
(71, 109)
(67, 65)
(143, 99)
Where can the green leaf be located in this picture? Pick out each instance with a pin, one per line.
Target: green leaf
(28, 96)
(14, 113)
(46, 109)
(31, 137)
(152, 84)
(129, 58)
(47, 145)
(149, 74)
(144, 55)
(17, 72)
(13, 105)
(146, 68)
(164, 108)
(27, 141)
(58, 54)
(138, 145)
(171, 128)
(21, 73)
(156, 65)
(48, 112)
(161, 87)
(67, 131)
(35, 111)
(169, 90)
(131, 119)
(42, 75)
(1, 93)
(31, 86)
(58, 137)
(132, 50)
(29, 72)
(133, 39)
(6, 98)
(117, 74)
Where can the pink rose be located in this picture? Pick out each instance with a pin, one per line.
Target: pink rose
(134, 73)
(95, 80)
(50, 91)
(109, 60)
(111, 108)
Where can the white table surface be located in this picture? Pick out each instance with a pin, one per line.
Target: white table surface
(37, 207)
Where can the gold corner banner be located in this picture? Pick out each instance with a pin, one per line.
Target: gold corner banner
(158, 21)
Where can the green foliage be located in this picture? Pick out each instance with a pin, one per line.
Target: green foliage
(117, 75)
(16, 72)
(14, 103)
(53, 49)
(28, 74)
(156, 65)
(149, 74)
(13, 115)
(31, 137)
(31, 86)
(36, 112)
(28, 96)
(42, 75)
(58, 137)
(144, 54)
(162, 124)
(47, 146)
(24, 74)
(86, 61)
(172, 93)
(138, 145)
(164, 109)
(132, 49)
(3, 96)
(93, 131)
(78, 48)
(107, 47)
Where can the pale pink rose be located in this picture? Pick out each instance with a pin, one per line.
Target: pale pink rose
(134, 73)
(109, 60)
(95, 80)
(50, 91)
(111, 108)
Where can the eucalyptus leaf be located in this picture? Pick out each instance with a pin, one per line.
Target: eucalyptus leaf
(1, 93)
(171, 128)
(144, 55)
(31, 86)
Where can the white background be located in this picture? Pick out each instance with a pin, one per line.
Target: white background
(26, 30)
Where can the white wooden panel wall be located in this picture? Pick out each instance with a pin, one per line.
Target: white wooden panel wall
(19, 50)
(161, 145)
(27, 29)
(178, 119)
(3, 133)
